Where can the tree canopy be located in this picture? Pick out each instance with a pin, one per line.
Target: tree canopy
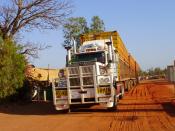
(16, 16)
(75, 26)
(97, 24)
(12, 65)
(29, 14)
(153, 72)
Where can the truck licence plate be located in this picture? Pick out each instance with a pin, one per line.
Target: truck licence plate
(60, 93)
(104, 90)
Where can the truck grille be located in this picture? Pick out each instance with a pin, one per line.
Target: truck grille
(74, 81)
(73, 71)
(88, 81)
(87, 70)
(81, 76)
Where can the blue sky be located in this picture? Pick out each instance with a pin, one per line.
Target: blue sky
(147, 27)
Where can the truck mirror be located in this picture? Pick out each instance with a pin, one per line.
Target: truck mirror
(109, 44)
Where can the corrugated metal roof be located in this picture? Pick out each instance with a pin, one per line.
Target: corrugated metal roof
(42, 74)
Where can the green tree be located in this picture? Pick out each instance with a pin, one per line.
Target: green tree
(142, 73)
(12, 65)
(150, 71)
(97, 24)
(157, 71)
(73, 28)
(25, 15)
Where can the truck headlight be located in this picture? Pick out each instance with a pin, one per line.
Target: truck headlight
(104, 80)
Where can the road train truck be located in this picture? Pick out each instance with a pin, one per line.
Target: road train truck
(98, 72)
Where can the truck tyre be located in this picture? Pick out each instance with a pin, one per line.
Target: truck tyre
(127, 85)
(66, 111)
(63, 111)
(133, 84)
(122, 91)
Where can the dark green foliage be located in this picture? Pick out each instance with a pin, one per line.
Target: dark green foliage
(24, 93)
(12, 65)
(153, 72)
(73, 28)
(97, 25)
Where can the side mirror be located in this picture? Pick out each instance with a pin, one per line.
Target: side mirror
(109, 44)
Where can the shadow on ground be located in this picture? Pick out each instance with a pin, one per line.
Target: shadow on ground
(43, 108)
(47, 108)
(32, 108)
(169, 108)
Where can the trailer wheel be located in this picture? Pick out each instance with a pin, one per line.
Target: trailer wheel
(135, 82)
(132, 82)
(129, 85)
(126, 86)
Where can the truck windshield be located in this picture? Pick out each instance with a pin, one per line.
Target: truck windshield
(94, 56)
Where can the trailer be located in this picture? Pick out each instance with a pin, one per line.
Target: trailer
(98, 72)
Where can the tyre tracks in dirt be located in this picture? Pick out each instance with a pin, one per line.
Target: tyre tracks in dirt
(146, 107)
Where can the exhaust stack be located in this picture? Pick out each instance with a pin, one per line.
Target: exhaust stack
(109, 44)
(74, 46)
(68, 53)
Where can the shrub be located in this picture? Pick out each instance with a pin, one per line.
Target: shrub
(12, 65)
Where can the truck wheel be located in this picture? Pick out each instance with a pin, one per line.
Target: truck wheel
(129, 85)
(122, 91)
(132, 83)
(63, 111)
(126, 86)
(135, 82)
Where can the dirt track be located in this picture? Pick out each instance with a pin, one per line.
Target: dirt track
(146, 107)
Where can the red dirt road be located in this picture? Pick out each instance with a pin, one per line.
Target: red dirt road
(147, 107)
